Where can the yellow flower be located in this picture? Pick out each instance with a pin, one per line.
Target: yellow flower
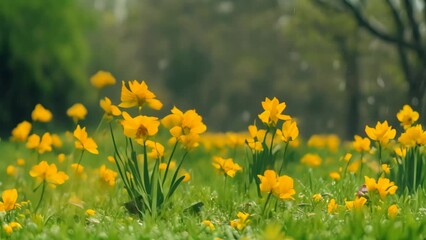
(383, 186)
(102, 79)
(61, 157)
(317, 197)
(209, 224)
(353, 167)
(413, 136)
(41, 114)
(20, 162)
(332, 206)
(357, 204)
(49, 173)
(257, 136)
(78, 168)
(163, 166)
(186, 175)
(157, 151)
(83, 141)
(226, 166)
(361, 144)
(111, 159)
(335, 176)
(185, 126)
(407, 116)
(347, 157)
(56, 141)
(400, 151)
(21, 132)
(289, 131)
(393, 211)
(40, 145)
(381, 133)
(311, 160)
(77, 112)
(8, 228)
(9, 198)
(11, 171)
(273, 112)
(140, 127)
(110, 110)
(385, 168)
(90, 212)
(107, 176)
(137, 95)
(241, 222)
(281, 187)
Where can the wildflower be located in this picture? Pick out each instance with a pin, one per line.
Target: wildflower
(61, 157)
(84, 142)
(281, 187)
(40, 145)
(21, 131)
(400, 151)
(335, 176)
(383, 186)
(78, 168)
(20, 162)
(186, 175)
(361, 144)
(257, 136)
(140, 127)
(184, 126)
(354, 166)
(90, 212)
(108, 176)
(312, 160)
(157, 151)
(289, 131)
(209, 224)
(413, 136)
(385, 168)
(48, 173)
(77, 112)
(137, 95)
(102, 79)
(347, 157)
(8, 228)
(381, 133)
(272, 112)
(227, 166)
(357, 204)
(56, 141)
(393, 211)
(41, 114)
(111, 159)
(163, 166)
(9, 198)
(332, 206)
(11, 171)
(407, 116)
(241, 222)
(317, 197)
(110, 110)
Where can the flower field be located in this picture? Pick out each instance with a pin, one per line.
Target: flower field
(138, 175)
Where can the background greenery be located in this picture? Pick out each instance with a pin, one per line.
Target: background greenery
(220, 57)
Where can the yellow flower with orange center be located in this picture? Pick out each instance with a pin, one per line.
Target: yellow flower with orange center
(382, 133)
(102, 79)
(84, 142)
(140, 127)
(77, 112)
(21, 131)
(138, 95)
(49, 173)
(273, 112)
(41, 114)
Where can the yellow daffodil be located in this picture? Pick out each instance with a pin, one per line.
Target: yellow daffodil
(393, 211)
(109, 109)
(406, 116)
(138, 95)
(77, 112)
(413, 136)
(273, 112)
(9, 198)
(107, 176)
(332, 206)
(226, 166)
(49, 173)
(140, 127)
(41, 114)
(289, 131)
(84, 142)
(41, 145)
(382, 133)
(311, 160)
(102, 79)
(357, 204)
(361, 144)
(21, 131)
(241, 222)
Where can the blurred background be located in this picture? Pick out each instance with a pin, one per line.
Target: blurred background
(338, 64)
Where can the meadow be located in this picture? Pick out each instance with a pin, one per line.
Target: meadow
(136, 176)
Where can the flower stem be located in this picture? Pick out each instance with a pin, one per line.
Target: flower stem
(266, 202)
(41, 196)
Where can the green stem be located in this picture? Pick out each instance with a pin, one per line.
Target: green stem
(266, 202)
(168, 162)
(41, 196)
(79, 161)
(282, 163)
